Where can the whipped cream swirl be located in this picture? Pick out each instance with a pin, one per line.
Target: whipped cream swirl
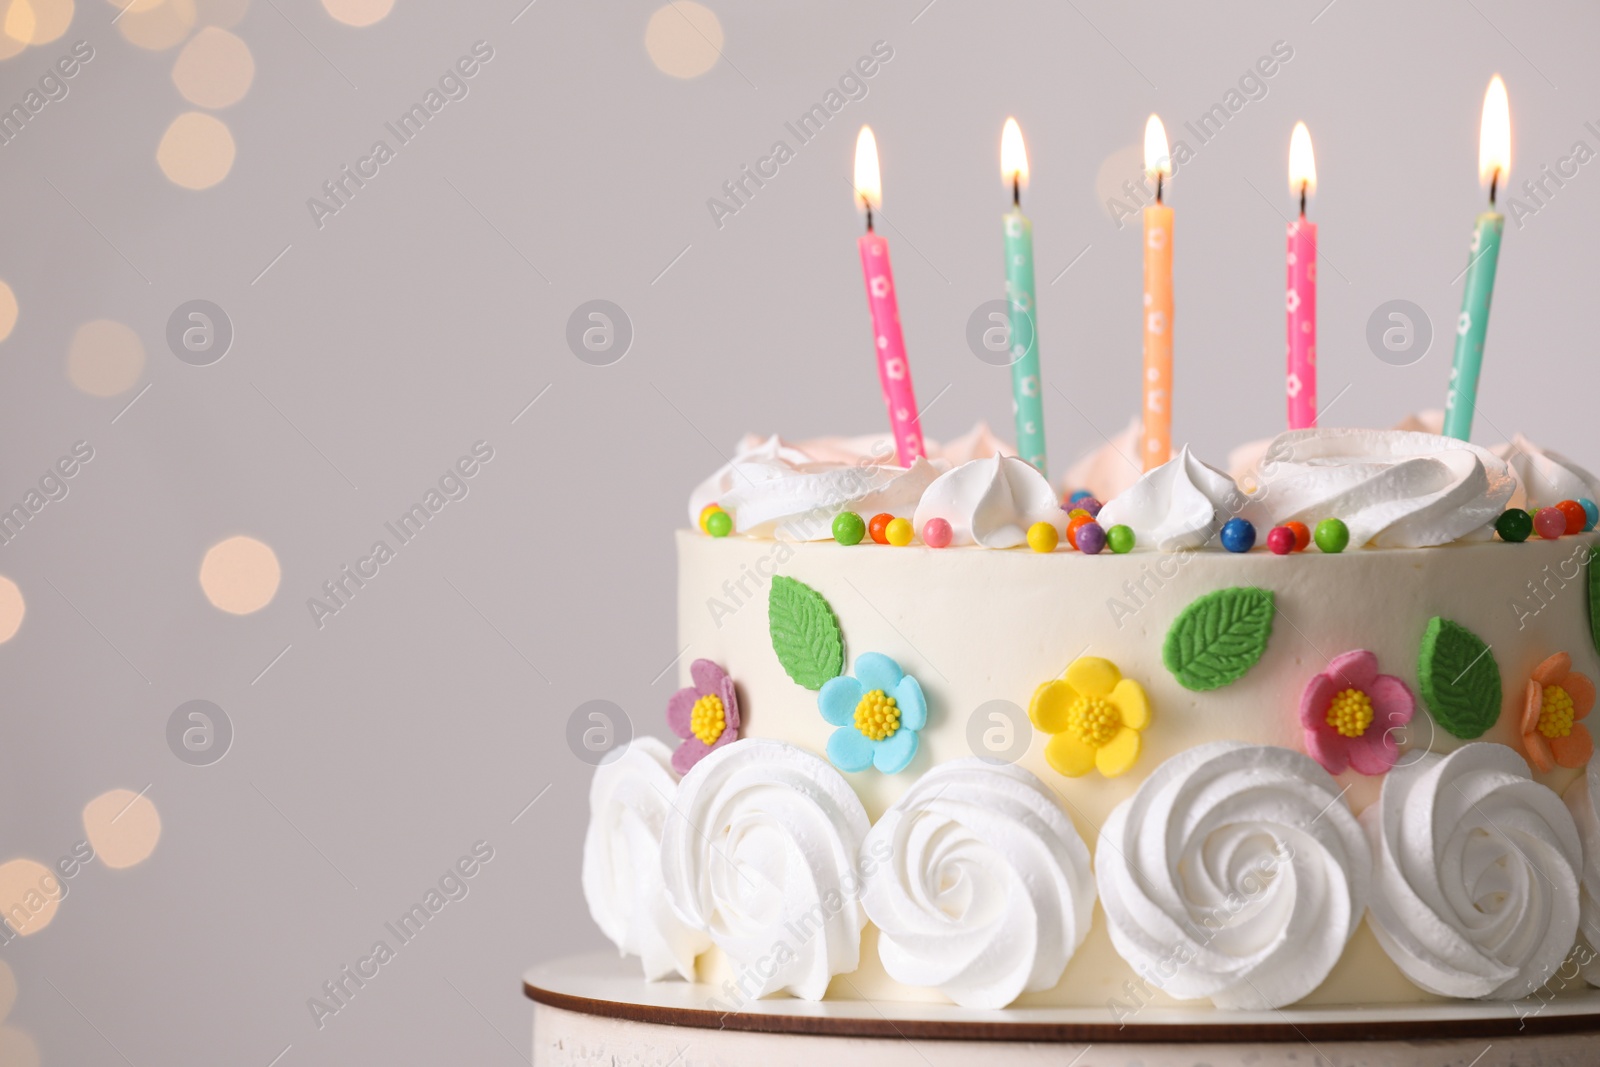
(1583, 800)
(1236, 872)
(1180, 504)
(629, 800)
(991, 502)
(1392, 488)
(1545, 478)
(987, 892)
(761, 853)
(1476, 873)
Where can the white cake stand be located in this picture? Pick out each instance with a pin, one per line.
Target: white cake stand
(597, 1010)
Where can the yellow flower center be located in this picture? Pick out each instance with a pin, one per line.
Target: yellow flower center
(1093, 720)
(1350, 713)
(707, 719)
(1555, 712)
(876, 715)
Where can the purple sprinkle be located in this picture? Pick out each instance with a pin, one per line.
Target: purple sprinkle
(1091, 505)
(1091, 537)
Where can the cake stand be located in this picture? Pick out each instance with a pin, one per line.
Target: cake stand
(597, 1010)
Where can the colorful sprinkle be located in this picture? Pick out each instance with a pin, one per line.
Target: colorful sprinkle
(848, 528)
(1091, 505)
(936, 533)
(1121, 539)
(705, 513)
(1077, 523)
(1577, 515)
(1238, 535)
(1091, 538)
(1332, 535)
(1302, 535)
(1514, 525)
(1550, 523)
(878, 525)
(1077, 495)
(1591, 513)
(1281, 540)
(719, 524)
(899, 532)
(1077, 512)
(1042, 537)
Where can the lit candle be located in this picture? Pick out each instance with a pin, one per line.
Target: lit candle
(1026, 400)
(1494, 168)
(894, 373)
(1157, 303)
(1301, 383)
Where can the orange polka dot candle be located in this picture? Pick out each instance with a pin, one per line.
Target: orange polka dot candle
(1301, 381)
(894, 372)
(1156, 447)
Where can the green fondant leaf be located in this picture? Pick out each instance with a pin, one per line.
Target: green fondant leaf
(1593, 563)
(805, 635)
(1460, 679)
(1219, 637)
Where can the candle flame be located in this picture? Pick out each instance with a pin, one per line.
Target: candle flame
(1157, 157)
(1302, 163)
(1013, 154)
(1494, 138)
(869, 186)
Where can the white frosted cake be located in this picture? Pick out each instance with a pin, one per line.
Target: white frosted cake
(1124, 755)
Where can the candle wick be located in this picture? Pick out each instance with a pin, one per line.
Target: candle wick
(1302, 199)
(1016, 189)
(1494, 182)
(1158, 186)
(868, 205)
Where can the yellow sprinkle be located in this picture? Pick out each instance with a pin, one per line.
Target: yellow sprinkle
(876, 716)
(1093, 720)
(707, 719)
(1555, 713)
(1350, 713)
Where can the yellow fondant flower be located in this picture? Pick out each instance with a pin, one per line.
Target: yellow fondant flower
(1093, 716)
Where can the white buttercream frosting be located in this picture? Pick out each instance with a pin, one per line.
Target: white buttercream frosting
(1545, 478)
(1392, 488)
(629, 800)
(761, 853)
(1476, 873)
(1180, 504)
(987, 892)
(991, 502)
(1236, 872)
(1583, 800)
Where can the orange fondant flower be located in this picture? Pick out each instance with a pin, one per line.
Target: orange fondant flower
(1558, 698)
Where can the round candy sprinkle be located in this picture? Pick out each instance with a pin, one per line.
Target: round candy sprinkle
(1281, 540)
(705, 513)
(1120, 538)
(719, 524)
(1238, 535)
(1591, 513)
(1332, 535)
(1042, 537)
(848, 528)
(1514, 525)
(899, 532)
(1077, 495)
(936, 533)
(1075, 512)
(1078, 522)
(876, 527)
(1091, 505)
(1091, 538)
(1577, 516)
(1550, 523)
(1302, 535)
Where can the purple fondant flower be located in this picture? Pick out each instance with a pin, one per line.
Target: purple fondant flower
(705, 714)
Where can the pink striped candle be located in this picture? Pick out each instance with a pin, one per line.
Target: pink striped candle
(894, 371)
(1301, 382)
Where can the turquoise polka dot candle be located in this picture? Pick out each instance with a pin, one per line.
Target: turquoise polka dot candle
(1494, 168)
(1026, 387)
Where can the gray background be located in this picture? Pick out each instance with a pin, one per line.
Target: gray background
(427, 314)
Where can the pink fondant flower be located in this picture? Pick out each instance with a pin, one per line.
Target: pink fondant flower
(1349, 713)
(705, 714)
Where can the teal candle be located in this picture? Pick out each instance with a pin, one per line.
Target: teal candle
(1024, 339)
(1473, 325)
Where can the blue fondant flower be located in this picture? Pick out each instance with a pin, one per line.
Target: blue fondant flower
(878, 714)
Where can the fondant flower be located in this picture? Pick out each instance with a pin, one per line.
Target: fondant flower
(1093, 715)
(1349, 713)
(705, 714)
(1558, 697)
(878, 714)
